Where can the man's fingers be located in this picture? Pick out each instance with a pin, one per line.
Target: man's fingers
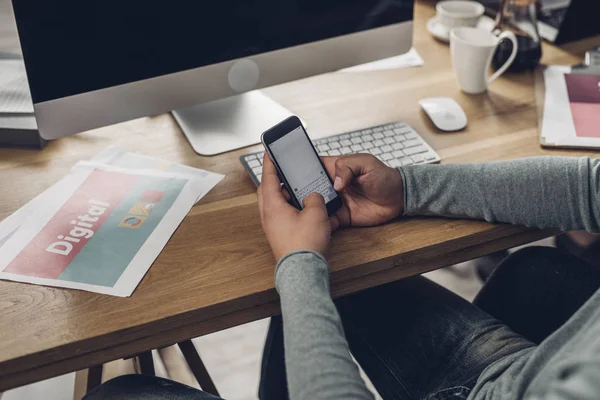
(329, 162)
(314, 200)
(268, 170)
(335, 222)
(286, 194)
(343, 214)
(350, 167)
(270, 187)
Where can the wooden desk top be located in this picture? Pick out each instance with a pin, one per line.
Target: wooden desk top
(217, 270)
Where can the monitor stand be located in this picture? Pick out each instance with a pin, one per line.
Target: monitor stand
(231, 123)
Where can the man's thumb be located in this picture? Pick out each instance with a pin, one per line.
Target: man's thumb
(313, 200)
(348, 168)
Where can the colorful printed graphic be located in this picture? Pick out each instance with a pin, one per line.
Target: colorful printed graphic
(132, 222)
(142, 208)
(85, 241)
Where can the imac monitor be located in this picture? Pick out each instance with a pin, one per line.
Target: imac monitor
(96, 63)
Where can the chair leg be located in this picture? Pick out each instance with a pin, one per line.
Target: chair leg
(197, 366)
(94, 378)
(146, 363)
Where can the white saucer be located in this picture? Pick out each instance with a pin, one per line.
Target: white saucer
(442, 33)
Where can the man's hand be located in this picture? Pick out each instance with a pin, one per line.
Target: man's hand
(287, 228)
(372, 192)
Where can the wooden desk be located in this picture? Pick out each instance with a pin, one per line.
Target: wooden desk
(217, 270)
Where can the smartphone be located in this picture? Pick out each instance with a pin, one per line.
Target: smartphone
(299, 166)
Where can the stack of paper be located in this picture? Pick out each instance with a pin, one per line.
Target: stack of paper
(18, 126)
(101, 226)
(14, 90)
(571, 114)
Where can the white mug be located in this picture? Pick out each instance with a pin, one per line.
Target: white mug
(471, 51)
(455, 13)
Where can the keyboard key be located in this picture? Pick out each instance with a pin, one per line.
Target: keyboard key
(356, 140)
(380, 158)
(398, 131)
(375, 151)
(411, 135)
(345, 142)
(251, 157)
(345, 136)
(257, 170)
(378, 135)
(398, 154)
(260, 155)
(389, 133)
(418, 158)
(412, 142)
(399, 125)
(345, 150)
(415, 150)
(406, 161)
(389, 140)
(368, 131)
(397, 146)
(368, 138)
(394, 163)
(367, 145)
(378, 129)
(379, 143)
(253, 163)
(356, 147)
(430, 156)
(387, 156)
(400, 138)
(335, 153)
(322, 147)
(387, 148)
(335, 145)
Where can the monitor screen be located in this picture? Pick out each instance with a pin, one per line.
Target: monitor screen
(74, 46)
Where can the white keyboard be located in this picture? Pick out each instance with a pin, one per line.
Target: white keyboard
(396, 144)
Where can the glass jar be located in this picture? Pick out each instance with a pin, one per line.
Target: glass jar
(521, 17)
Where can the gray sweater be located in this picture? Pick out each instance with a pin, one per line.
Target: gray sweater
(541, 192)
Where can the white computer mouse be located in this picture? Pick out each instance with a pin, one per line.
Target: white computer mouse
(445, 113)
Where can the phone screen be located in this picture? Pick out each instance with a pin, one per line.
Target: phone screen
(301, 166)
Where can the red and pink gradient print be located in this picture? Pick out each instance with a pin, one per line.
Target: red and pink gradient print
(584, 97)
(67, 232)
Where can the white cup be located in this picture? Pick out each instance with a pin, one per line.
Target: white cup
(455, 13)
(471, 50)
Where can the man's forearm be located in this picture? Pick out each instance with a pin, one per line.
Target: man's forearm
(317, 358)
(542, 192)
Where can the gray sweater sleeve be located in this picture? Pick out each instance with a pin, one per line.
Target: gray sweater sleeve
(541, 192)
(317, 358)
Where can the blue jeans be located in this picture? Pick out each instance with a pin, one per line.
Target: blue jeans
(417, 340)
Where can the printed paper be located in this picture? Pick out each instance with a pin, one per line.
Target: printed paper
(101, 231)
